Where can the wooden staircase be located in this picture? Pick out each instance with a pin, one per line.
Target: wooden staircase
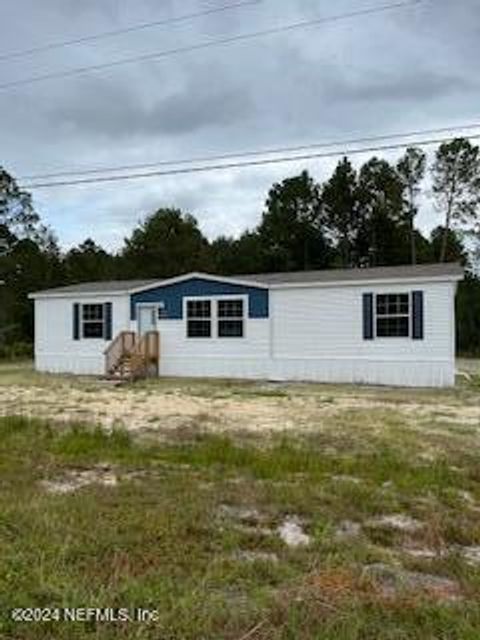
(131, 357)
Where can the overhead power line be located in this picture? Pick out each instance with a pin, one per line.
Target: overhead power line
(211, 43)
(118, 32)
(247, 154)
(239, 165)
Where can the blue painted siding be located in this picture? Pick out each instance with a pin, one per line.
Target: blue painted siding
(172, 296)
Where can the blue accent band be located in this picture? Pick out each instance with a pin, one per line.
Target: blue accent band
(172, 296)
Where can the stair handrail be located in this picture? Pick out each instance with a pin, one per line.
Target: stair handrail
(143, 353)
(148, 350)
(148, 345)
(123, 343)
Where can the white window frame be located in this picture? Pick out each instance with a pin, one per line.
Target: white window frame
(158, 306)
(83, 322)
(393, 315)
(200, 319)
(232, 318)
(214, 319)
(142, 305)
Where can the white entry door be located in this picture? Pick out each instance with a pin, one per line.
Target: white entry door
(147, 319)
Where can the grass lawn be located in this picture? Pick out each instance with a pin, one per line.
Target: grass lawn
(380, 487)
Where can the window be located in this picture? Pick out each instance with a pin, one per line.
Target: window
(93, 320)
(199, 319)
(393, 315)
(224, 315)
(230, 318)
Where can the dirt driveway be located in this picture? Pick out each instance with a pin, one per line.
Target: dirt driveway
(166, 405)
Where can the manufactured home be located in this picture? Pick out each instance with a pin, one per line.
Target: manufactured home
(386, 325)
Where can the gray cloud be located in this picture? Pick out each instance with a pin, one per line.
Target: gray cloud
(409, 69)
(413, 85)
(117, 111)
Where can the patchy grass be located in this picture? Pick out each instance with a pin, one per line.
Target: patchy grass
(205, 472)
(190, 530)
(22, 373)
(361, 416)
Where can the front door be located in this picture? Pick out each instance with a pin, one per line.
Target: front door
(147, 319)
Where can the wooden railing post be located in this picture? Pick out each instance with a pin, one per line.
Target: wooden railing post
(142, 354)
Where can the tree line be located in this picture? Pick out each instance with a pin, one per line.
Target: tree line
(357, 218)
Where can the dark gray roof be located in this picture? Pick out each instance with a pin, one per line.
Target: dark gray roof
(351, 275)
(293, 277)
(112, 286)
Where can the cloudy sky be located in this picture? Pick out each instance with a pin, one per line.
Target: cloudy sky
(408, 69)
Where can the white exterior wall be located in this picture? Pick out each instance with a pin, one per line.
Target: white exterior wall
(313, 333)
(246, 357)
(55, 349)
(317, 334)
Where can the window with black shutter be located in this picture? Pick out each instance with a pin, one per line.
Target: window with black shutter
(107, 329)
(76, 321)
(393, 315)
(93, 318)
(417, 315)
(368, 316)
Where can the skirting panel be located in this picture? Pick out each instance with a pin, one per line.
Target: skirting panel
(240, 368)
(374, 372)
(65, 363)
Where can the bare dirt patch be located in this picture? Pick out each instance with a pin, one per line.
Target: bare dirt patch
(76, 479)
(167, 408)
(398, 522)
(394, 580)
(292, 533)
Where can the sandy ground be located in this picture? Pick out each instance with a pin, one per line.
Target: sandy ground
(214, 408)
(471, 366)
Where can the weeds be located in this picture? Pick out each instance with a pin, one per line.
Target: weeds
(155, 539)
(160, 536)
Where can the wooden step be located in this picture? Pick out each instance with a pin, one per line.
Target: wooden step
(131, 358)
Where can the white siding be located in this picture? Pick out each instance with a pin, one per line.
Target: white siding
(246, 357)
(313, 333)
(55, 348)
(318, 335)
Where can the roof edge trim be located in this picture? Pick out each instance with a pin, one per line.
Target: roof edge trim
(204, 276)
(369, 281)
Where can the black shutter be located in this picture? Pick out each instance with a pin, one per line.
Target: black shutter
(417, 315)
(76, 321)
(368, 316)
(107, 325)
